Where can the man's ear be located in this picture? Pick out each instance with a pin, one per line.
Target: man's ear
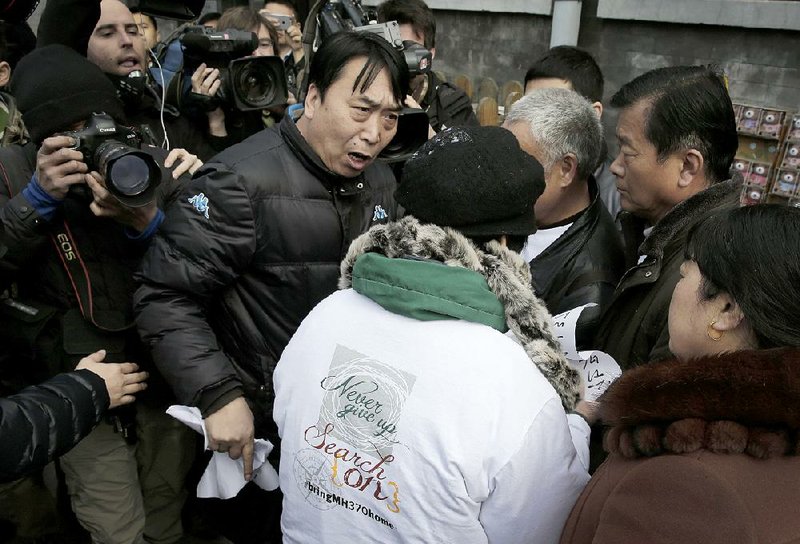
(5, 73)
(567, 169)
(433, 52)
(692, 168)
(598, 109)
(313, 99)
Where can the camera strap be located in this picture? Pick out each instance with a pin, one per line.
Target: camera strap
(78, 275)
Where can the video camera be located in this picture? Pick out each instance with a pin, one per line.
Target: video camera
(328, 17)
(131, 175)
(338, 15)
(247, 82)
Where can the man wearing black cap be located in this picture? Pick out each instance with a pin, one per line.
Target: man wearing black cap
(75, 236)
(403, 409)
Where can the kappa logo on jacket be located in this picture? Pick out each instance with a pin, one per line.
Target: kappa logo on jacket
(379, 214)
(200, 203)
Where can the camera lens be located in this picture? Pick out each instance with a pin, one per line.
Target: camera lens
(257, 82)
(131, 175)
(254, 84)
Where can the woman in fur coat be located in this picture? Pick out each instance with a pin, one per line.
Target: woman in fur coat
(704, 447)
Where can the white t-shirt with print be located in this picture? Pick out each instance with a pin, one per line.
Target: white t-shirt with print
(400, 430)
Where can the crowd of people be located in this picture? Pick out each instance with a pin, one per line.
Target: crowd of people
(380, 337)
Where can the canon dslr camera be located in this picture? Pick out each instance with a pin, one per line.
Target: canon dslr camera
(131, 175)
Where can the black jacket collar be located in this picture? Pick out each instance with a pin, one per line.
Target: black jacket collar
(313, 163)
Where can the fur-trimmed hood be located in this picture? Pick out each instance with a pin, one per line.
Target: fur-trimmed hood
(506, 273)
(740, 402)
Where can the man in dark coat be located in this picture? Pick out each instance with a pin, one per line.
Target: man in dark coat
(256, 242)
(677, 138)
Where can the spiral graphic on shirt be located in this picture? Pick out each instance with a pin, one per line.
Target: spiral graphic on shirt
(364, 400)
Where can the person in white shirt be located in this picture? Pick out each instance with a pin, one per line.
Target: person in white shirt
(406, 413)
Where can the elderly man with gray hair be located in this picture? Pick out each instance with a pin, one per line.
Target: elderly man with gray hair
(576, 254)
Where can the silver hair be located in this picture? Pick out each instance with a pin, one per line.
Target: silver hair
(561, 121)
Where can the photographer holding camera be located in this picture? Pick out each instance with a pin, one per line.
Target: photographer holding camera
(283, 16)
(79, 206)
(227, 125)
(445, 104)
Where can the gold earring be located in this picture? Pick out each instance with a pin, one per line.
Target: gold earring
(713, 333)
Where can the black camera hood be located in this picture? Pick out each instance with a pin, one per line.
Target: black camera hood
(183, 10)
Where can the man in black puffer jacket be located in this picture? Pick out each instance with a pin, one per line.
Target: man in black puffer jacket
(256, 241)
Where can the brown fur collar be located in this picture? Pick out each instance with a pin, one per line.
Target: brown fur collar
(741, 402)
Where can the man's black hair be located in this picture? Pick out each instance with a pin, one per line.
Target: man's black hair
(689, 109)
(573, 65)
(210, 16)
(153, 20)
(288, 3)
(329, 61)
(411, 12)
(16, 41)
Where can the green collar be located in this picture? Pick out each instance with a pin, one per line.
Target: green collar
(428, 290)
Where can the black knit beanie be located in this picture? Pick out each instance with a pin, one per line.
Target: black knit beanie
(55, 87)
(475, 179)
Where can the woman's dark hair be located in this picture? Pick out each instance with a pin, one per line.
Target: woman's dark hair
(751, 253)
(690, 109)
(244, 18)
(342, 47)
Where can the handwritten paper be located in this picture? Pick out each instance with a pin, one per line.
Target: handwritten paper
(598, 370)
(564, 326)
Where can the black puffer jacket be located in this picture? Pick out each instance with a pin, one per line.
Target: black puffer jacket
(45, 421)
(243, 256)
(582, 266)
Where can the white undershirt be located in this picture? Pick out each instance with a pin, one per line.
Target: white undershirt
(541, 240)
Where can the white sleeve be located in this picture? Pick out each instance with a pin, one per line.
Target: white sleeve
(534, 492)
(581, 433)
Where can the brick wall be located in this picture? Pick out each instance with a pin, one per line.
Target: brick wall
(763, 65)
